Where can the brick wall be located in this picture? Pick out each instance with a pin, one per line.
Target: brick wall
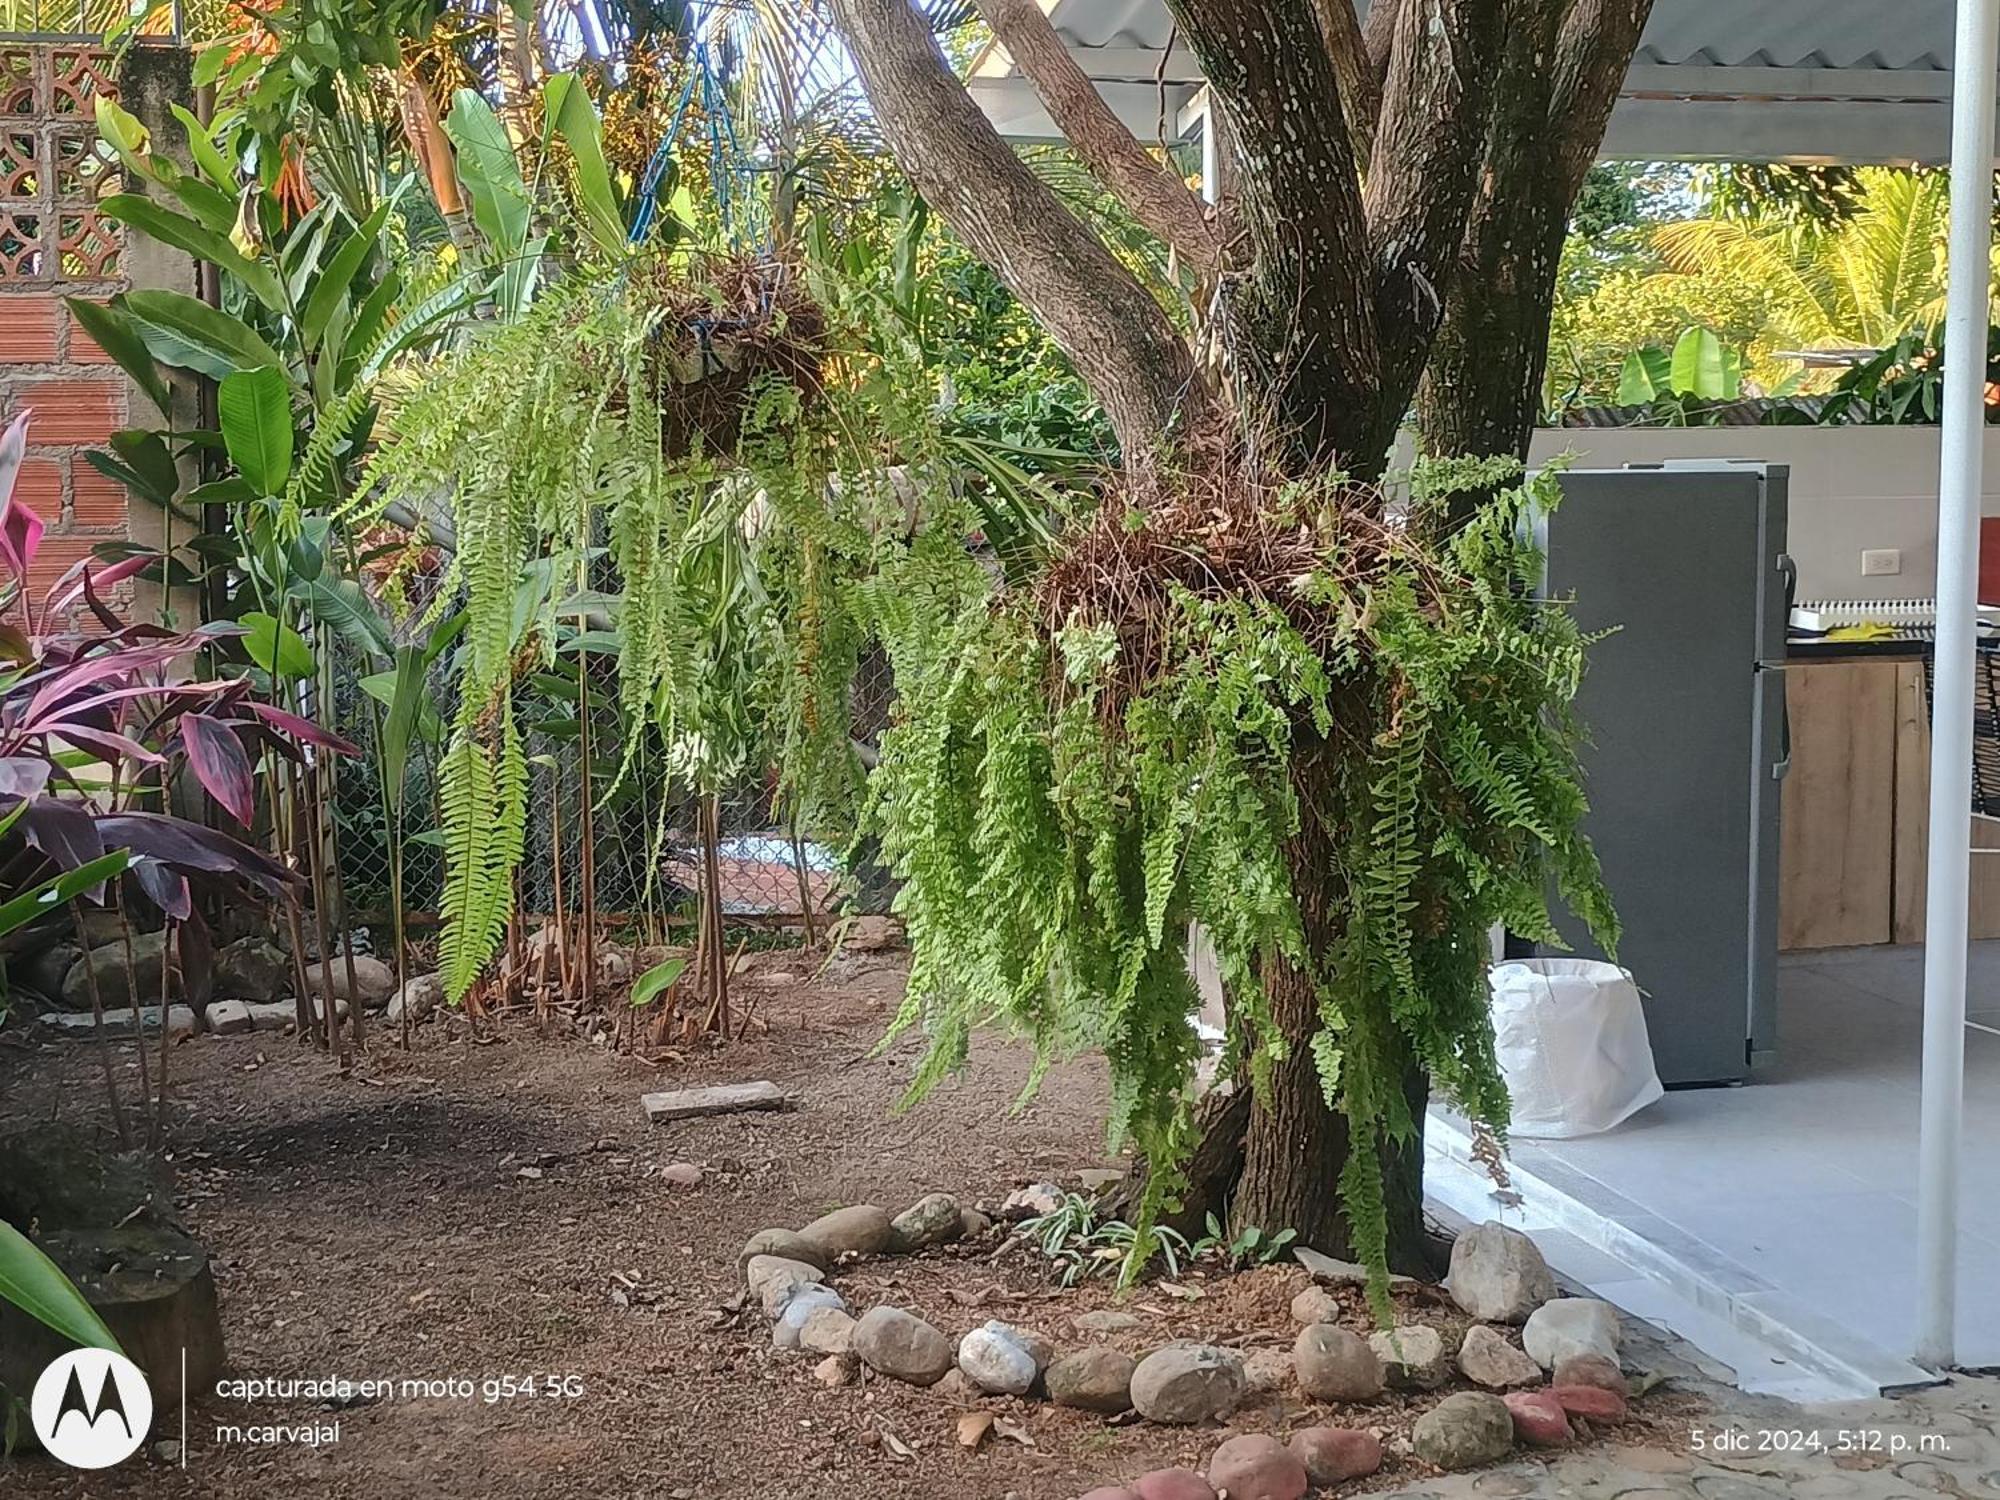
(54, 244)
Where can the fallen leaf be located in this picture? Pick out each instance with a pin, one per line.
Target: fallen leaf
(1012, 1431)
(897, 1447)
(973, 1427)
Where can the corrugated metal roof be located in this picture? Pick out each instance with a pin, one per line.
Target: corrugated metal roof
(1872, 34)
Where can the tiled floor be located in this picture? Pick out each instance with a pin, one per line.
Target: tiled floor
(1804, 1181)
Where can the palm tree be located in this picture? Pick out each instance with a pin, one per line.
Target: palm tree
(1863, 281)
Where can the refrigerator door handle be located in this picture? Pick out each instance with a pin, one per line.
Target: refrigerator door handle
(1783, 765)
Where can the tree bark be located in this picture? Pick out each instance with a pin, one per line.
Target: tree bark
(1558, 79)
(1156, 197)
(1122, 343)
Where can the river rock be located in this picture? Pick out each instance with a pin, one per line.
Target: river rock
(1570, 1326)
(1094, 1379)
(1592, 1369)
(861, 1229)
(1173, 1484)
(997, 1358)
(1498, 1275)
(1464, 1431)
(1336, 1364)
(1269, 1370)
(417, 999)
(902, 1346)
(1332, 1454)
(1593, 1402)
(1487, 1358)
(44, 971)
(1110, 1492)
(834, 1370)
(1187, 1383)
(972, 1224)
(1032, 1201)
(786, 1244)
(1539, 1419)
(827, 1330)
(1256, 1467)
(1414, 1358)
(1315, 1305)
(773, 1280)
(806, 1300)
(229, 1018)
(253, 969)
(931, 1220)
(374, 981)
(1107, 1320)
(107, 962)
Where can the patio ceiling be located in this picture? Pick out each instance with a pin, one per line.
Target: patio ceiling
(1736, 80)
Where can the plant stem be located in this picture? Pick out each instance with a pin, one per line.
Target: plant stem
(97, 1028)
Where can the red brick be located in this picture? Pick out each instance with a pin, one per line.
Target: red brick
(97, 502)
(28, 329)
(56, 556)
(83, 349)
(70, 411)
(39, 487)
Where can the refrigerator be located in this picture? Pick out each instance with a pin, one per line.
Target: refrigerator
(1683, 704)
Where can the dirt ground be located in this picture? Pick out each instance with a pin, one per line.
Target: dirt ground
(492, 1206)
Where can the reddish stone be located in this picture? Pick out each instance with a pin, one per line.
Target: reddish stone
(1592, 1369)
(1256, 1467)
(1332, 1454)
(1589, 1401)
(1109, 1492)
(1172, 1484)
(1539, 1420)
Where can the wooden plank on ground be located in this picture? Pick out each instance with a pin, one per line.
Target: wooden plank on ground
(720, 1099)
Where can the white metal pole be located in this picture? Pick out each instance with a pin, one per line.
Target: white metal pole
(1211, 152)
(1975, 57)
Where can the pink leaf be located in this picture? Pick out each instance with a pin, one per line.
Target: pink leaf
(13, 448)
(301, 729)
(220, 763)
(86, 575)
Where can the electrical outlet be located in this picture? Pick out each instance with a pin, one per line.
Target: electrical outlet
(1881, 562)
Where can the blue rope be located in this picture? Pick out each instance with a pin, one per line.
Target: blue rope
(721, 130)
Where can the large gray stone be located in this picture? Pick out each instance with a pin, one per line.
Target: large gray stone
(774, 1281)
(252, 969)
(931, 1220)
(1096, 1379)
(1187, 1383)
(1414, 1357)
(44, 971)
(860, 1229)
(124, 1022)
(107, 962)
(229, 1018)
(805, 1301)
(999, 1360)
(1464, 1431)
(786, 1244)
(1498, 1275)
(1570, 1326)
(902, 1346)
(418, 997)
(374, 981)
(1486, 1358)
(1336, 1364)
(718, 1099)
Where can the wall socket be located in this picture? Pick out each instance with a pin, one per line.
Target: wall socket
(1881, 562)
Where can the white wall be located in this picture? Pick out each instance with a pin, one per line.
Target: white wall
(1851, 487)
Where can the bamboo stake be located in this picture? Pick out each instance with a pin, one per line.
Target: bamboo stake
(138, 1014)
(317, 874)
(587, 836)
(97, 1028)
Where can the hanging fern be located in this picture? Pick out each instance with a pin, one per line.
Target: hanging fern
(1200, 686)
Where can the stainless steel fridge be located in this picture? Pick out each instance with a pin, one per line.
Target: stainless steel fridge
(1684, 704)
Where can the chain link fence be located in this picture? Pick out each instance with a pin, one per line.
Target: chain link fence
(630, 850)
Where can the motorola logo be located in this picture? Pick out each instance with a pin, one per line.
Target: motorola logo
(91, 1408)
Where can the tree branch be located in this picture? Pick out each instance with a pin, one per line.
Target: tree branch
(1120, 340)
(1154, 195)
(1427, 157)
(1309, 300)
(1593, 51)
(1378, 33)
(1360, 79)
